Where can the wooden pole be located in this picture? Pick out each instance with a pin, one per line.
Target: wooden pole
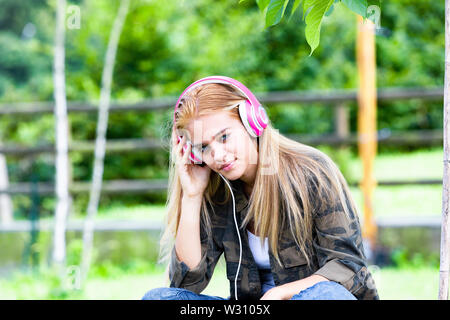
(367, 135)
(341, 116)
(445, 226)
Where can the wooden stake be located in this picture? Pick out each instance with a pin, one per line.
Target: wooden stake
(367, 134)
(445, 236)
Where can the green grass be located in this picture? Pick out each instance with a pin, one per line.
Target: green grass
(407, 284)
(392, 284)
(423, 164)
(409, 200)
(389, 201)
(404, 201)
(140, 212)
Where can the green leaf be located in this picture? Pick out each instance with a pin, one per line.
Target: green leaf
(295, 6)
(330, 11)
(357, 6)
(305, 9)
(275, 11)
(317, 10)
(262, 4)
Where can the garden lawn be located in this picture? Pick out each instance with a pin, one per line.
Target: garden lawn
(389, 201)
(392, 284)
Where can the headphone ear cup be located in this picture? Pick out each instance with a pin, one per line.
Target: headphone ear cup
(244, 114)
(195, 159)
(255, 121)
(262, 118)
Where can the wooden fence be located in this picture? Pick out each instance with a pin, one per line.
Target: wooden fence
(338, 99)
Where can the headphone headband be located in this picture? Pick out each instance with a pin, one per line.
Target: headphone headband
(224, 80)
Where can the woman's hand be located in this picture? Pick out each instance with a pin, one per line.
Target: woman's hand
(276, 293)
(288, 290)
(194, 178)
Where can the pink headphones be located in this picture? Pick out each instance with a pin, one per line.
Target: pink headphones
(252, 113)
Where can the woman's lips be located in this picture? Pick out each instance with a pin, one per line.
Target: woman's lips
(228, 167)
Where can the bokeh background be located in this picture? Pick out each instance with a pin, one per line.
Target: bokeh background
(166, 45)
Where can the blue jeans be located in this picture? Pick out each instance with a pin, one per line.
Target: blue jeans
(325, 290)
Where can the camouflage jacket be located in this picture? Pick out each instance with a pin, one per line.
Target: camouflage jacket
(337, 246)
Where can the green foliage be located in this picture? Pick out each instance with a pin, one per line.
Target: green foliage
(46, 283)
(108, 269)
(275, 11)
(166, 45)
(313, 20)
(357, 6)
(51, 284)
(405, 259)
(313, 13)
(75, 251)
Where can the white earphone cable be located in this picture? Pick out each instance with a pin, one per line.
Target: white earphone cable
(239, 236)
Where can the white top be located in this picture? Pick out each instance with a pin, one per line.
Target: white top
(260, 254)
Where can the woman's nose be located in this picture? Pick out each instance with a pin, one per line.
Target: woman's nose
(218, 152)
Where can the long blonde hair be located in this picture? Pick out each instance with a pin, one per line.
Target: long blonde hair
(307, 180)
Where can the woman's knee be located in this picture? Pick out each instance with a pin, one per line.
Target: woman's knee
(325, 290)
(162, 294)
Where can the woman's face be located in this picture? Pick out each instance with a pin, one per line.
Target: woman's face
(222, 140)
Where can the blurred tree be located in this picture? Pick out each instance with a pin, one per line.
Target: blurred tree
(6, 209)
(445, 223)
(62, 143)
(100, 142)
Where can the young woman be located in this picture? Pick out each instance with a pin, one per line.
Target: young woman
(280, 211)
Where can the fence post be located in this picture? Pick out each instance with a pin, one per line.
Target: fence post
(341, 120)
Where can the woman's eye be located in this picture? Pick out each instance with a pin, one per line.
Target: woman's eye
(224, 137)
(203, 148)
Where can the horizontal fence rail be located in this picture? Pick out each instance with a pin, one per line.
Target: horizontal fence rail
(108, 186)
(156, 226)
(422, 137)
(341, 137)
(100, 225)
(150, 185)
(117, 145)
(334, 97)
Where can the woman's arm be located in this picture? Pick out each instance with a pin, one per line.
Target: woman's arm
(340, 252)
(194, 255)
(187, 241)
(287, 290)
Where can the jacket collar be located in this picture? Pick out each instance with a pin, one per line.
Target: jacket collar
(239, 195)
